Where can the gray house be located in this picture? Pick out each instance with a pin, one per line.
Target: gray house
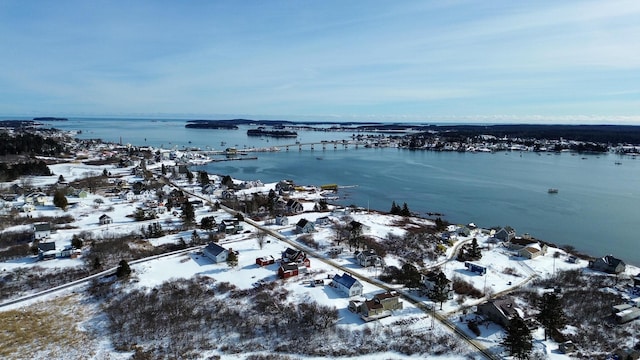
(216, 253)
(282, 220)
(500, 311)
(507, 233)
(230, 226)
(304, 226)
(368, 258)
(294, 206)
(608, 264)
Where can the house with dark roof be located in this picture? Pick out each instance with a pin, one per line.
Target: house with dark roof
(230, 226)
(347, 284)
(294, 206)
(304, 226)
(608, 264)
(368, 258)
(287, 270)
(430, 280)
(293, 255)
(105, 219)
(46, 250)
(500, 311)
(215, 252)
(41, 230)
(507, 233)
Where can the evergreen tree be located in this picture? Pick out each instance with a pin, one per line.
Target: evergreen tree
(208, 223)
(188, 214)
(227, 181)
(34, 247)
(76, 242)
(551, 315)
(97, 265)
(518, 341)
(411, 276)
(123, 269)
(395, 209)
(441, 225)
(60, 200)
(164, 170)
(203, 178)
(405, 210)
(475, 252)
(232, 259)
(190, 177)
(440, 290)
(60, 178)
(195, 237)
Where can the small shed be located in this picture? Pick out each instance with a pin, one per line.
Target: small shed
(265, 260)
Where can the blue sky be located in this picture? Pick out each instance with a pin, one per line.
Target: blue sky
(460, 61)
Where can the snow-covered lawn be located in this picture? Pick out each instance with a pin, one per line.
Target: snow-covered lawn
(505, 270)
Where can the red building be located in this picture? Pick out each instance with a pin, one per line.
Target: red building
(265, 260)
(288, 270)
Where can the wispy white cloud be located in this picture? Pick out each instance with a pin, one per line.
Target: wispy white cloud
(421, 59)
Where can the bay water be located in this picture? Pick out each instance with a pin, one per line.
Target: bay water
(596, 209)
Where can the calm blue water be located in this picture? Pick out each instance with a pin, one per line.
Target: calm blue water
(596, 210)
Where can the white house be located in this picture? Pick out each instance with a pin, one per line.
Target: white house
(347, 284)
(216, 253)
(41, 230)
(127, 195)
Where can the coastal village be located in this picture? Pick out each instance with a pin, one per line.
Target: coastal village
(119, 219)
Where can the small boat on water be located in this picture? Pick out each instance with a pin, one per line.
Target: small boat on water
(552, 191)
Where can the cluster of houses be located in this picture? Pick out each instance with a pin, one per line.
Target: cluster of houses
(292, 263)
(47, 248)
(379, 306)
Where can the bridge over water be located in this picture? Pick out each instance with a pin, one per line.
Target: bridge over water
(324, 145)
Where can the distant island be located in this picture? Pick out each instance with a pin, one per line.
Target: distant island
(272, 133)
(604, 134)
(49, 118)
(211, 124)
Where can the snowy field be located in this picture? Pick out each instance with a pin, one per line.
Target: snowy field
(505, 270)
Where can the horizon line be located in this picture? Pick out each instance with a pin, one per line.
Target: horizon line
(336, 118)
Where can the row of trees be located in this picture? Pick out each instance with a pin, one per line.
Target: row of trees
(29, 144)
(10, 172)
(397, 210)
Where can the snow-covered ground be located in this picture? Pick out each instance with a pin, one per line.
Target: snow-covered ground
(505, 270)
